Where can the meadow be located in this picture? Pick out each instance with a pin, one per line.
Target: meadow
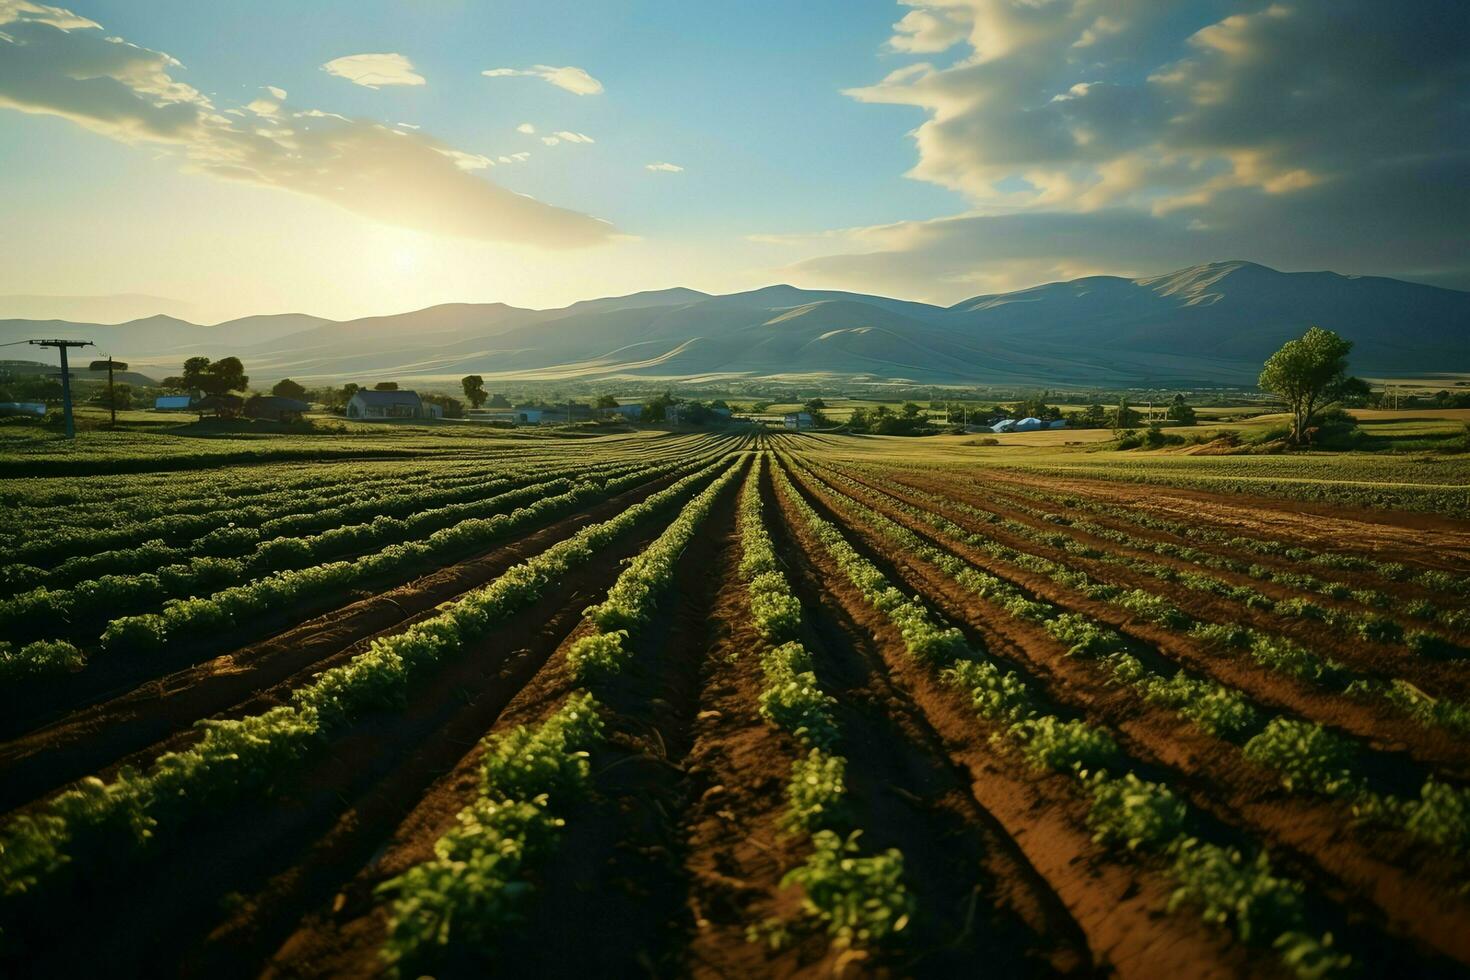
(435, 700)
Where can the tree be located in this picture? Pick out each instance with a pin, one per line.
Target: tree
(348, 390)
(1180, 411)
(606, 401)
(814, 404)
(286, 388)
(911, 410)
(474, 389)
(498, 400)
(1306, 372)
(386, 386)
(214, 377)
(453, 407)
(1124, 416)
(122, 397)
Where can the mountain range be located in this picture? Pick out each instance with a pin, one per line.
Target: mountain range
(1206, 325)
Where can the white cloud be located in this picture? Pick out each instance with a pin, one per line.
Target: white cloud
(550, 140)
(399, 177)
(374, 70)
(664, 168)
(270, 103)
(526, 128)
(926, 32)
(574, 137)
(574, 80)
(1265, 130)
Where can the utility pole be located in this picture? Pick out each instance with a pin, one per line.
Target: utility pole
(109, 365)
(62, 345)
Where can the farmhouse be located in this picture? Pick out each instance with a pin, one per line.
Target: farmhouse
(1004, 425)
(1028, 424)
(390, 405)
(797, 420)
(630, 412)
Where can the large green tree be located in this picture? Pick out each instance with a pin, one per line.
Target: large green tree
(286, 388)
(474, 389)
(1307, 373)
(215, 377)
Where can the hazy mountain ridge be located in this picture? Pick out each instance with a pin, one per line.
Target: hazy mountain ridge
(1206, 324)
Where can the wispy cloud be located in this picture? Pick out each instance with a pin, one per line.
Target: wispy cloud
(664, 168)
(526, 128)
(374, 70)
(564, 136)
(55, 63)
(573, 79)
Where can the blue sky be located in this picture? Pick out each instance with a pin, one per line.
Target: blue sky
(933, 150)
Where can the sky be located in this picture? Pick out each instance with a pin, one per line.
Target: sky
(356, 157)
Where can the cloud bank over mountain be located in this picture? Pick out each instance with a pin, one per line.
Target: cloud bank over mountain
(1102, 135)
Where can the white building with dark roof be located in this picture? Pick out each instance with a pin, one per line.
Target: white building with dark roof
(370, 405)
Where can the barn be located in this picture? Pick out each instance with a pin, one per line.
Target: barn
(797, 420)
(387, 405)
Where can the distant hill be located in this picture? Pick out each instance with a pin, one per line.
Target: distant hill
(1205, 325)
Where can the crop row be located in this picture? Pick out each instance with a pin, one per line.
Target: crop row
(230, 533)
(230, 528)
(1304, 756)
(232, 553)
(52, 543)
(475, 886)
(1127, 813)
(1273, 652)
(1359, 480)
(69, 609)
(631, 601)
(861, 900)
(97, 824)
(184, 619)
(1455, 617)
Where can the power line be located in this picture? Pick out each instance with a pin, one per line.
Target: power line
(62, 345)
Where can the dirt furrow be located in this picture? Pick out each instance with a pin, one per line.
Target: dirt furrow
(93, 737)
(1398, 888)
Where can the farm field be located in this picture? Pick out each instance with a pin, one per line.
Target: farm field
(428, 702)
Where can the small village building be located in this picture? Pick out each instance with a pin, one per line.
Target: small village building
(1004, 425)
(173, 403)
(1057, 424)
(632, 413)
(797, 420)
(275, 408)
(1029, 424)
(382, 405)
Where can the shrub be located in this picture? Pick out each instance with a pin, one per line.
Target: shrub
(861, 900)
(1133, 812)
(1305, 756)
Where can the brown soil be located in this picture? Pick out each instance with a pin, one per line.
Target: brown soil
(1117, 905)
(1382, 728)
(1388, 535)
(87, 739)
(289, 851)
(1391, 889)
(996, 503)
